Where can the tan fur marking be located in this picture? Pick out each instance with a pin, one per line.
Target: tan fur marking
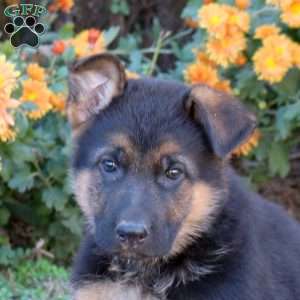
(122, 140)
(166, 148)
(203, 205)
(109, 290)
(82, 189)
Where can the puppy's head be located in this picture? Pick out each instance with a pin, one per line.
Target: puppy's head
(149, 157)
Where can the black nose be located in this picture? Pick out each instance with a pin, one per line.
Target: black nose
(132, 232)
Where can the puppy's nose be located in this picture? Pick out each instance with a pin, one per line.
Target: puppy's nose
(131, 232)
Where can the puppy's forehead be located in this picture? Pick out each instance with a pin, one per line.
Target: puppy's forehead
(164, 147)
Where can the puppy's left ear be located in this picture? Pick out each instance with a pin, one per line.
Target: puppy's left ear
(226, 122)
(93, 83)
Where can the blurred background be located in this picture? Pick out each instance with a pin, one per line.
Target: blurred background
(250, 49)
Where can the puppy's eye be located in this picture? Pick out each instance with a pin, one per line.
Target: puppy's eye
(109, 165)
(174, 173)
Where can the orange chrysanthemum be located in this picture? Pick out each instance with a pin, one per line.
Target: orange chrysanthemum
(63, 5)
(265, 31)
(226, 51)
(222, 20)
(8, 77)
(226, 26)
(132, 75)
(58, 47)
(200, 72)
(213, 17)
(250, 144)
(224, 86)
(83, 47)
(202, 57)
(189, 22)
(238, 20)
(38, 93)
(296, 54)
(242, 4)
(274, 58)
(36, 72)
(241, 60)
(7, 133)
(291, 14)
(58, 102)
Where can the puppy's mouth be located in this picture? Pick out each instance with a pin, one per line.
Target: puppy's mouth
(131, 264)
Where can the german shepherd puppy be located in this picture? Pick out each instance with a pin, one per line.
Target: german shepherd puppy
(167, 218)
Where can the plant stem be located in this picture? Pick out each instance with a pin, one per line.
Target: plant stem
(156, 53)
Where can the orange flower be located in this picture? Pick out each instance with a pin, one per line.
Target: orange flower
(93, 35)
(214, 17)
(189, 22)
(8, 77)
(224, 86)
(84, 48)
(250, 144)
(58, 47)
(7, 133)
(63, 5)
(203, 57)
(291, 14)
(201, 73)
(242, 4)
(226, 51)
(36, 72)
(265, 31)
(132, 75)
(241, 60)
(221, 20)
(296, 54)
(274, 58)
(38, 93)
(58, 102)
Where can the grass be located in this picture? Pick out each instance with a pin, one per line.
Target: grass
(34, 280)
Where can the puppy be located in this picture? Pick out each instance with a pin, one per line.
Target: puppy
(166, 216)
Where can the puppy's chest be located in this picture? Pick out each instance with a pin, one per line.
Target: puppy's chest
(108, 290)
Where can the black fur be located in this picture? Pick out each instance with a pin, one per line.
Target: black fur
(251, 250)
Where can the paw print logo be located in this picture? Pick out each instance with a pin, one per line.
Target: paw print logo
(24, 31)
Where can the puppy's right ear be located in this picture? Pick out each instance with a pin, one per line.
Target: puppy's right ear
(93, 83)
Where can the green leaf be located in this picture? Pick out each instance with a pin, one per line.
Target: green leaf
(191, 9)
(73, 224)
(66, 31)
(55, 198)
(69, 55)
(278, 159)
(22, 152)
(6, 170)
(4, 216)
(58, 87)
(22, 180)
(266, 15)
(111, 34)
(290, 84)
(62, 72)
(22, 123)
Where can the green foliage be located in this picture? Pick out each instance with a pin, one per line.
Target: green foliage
(34, 280)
